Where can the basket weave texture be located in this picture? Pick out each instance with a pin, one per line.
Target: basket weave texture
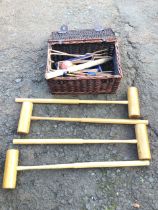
(81, 42)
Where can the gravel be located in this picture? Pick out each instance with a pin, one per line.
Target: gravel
(25, 29)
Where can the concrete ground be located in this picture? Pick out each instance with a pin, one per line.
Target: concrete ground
(25, 27)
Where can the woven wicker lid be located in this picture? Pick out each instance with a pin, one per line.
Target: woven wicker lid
(64, 34)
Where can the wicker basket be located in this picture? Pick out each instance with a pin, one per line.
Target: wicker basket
(81, 42)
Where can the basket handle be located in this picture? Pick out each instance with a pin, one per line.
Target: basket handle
(63, 29)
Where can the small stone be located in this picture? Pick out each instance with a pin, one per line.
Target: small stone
(151, 179)
(118, 170)
(117, 34)
(136, 205)
(142, 180)
(93, 198)
(18, 80)
(55, 126)
(70, 201)
(7, 94)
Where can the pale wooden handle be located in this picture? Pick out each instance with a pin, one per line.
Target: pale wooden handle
(67, 101)
(92, 120)
(88, 64)
(109, 164)
(72, 141)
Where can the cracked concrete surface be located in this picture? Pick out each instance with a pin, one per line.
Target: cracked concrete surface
(25, 28)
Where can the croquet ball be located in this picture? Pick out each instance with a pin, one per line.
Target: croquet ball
(65, 64)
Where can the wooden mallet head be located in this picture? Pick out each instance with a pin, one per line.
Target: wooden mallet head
(10, 170)
(143, 146)
(25, 117)
(133, 102)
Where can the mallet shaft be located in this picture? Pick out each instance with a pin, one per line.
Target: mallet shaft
(72, 141)
(109, 164)
(92, 120)
(67, 101)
